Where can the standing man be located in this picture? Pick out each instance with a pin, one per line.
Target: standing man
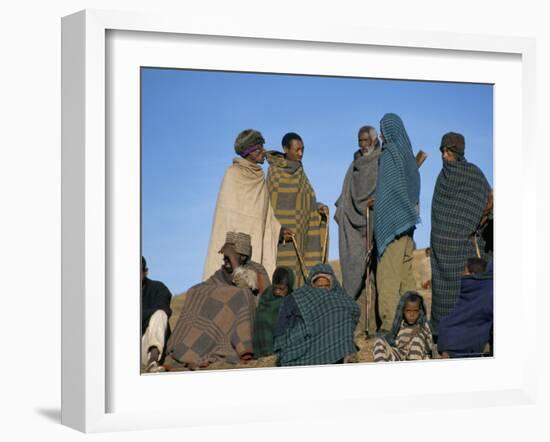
(462, 202)
(351, 216)
(155, 312)
(296, 207)
(395, 216)
(243, 205)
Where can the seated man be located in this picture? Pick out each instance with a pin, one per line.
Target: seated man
(468, 328)
(316, 322)
(410, 338)
(218, 315)
(155, 311)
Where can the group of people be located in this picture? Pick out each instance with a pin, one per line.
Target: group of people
(267, 286)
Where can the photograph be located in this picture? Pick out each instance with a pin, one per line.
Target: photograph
(305, 220)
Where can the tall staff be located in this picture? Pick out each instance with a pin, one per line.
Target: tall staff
(368, 275)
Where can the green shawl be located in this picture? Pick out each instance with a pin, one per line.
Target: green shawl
(267, 313)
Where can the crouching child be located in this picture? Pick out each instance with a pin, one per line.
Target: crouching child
(410, 337)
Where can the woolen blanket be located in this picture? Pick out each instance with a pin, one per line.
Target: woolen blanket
(319, 328)
(398, 185)
(459, 199)
(359, 185)
(243, 206)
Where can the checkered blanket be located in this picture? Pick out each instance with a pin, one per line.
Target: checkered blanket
(321, 324)
(398, 185)
(296, 208)
(215, 324)
(460, 196)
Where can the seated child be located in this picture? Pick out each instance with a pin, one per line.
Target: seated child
(410, 338)
(268, 308)
(468, 328)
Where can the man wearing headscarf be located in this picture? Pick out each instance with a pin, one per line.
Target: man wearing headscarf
(296, 207)
(243, 205)
(351, 216)
(316, 322)
(462, 202)
(217, 318)
(396, 211)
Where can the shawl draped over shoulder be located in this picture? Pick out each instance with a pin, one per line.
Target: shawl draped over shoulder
(359, 185)
(398, 185)
(243, 206)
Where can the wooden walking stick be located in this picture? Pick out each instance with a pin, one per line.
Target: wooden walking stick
(298, 254)
(420, 158)
(477, 245)
(325, 242)
(367, 277)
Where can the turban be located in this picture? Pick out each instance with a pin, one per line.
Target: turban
(454, 142)
(248, 141)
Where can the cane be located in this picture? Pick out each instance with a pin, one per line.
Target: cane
(302, 265)
(325, 242)
(367, 279)
(477, 246)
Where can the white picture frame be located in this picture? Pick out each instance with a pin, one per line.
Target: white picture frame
(87, 210)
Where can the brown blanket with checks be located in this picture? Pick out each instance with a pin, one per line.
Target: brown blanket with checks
(215, 324)
(297, 209)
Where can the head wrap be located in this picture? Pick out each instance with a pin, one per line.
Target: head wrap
(248, 141)
(454, 142)
(241, 242)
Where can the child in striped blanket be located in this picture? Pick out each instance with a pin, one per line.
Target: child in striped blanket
(410, 337)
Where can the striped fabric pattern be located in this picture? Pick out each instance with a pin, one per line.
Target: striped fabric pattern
(295, 206)
(460, 195)
(323, 331)
(398, 185)
(413, 343)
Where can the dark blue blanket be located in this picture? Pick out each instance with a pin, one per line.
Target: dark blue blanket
(467, 329)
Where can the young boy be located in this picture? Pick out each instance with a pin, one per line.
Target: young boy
(268, 308)
(468, 328)
(410, 338)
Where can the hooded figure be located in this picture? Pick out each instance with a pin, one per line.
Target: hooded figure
(409, 339)
(395, 216)
(267, 312)
(316, 325)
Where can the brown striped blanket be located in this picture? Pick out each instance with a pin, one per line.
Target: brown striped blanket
(296, 208)
(215, 324)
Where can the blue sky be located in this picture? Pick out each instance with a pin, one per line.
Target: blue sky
(189, 121)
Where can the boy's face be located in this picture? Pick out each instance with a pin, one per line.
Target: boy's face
(412, 312)
(322, 283)
(466, 271)
(280, 289)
